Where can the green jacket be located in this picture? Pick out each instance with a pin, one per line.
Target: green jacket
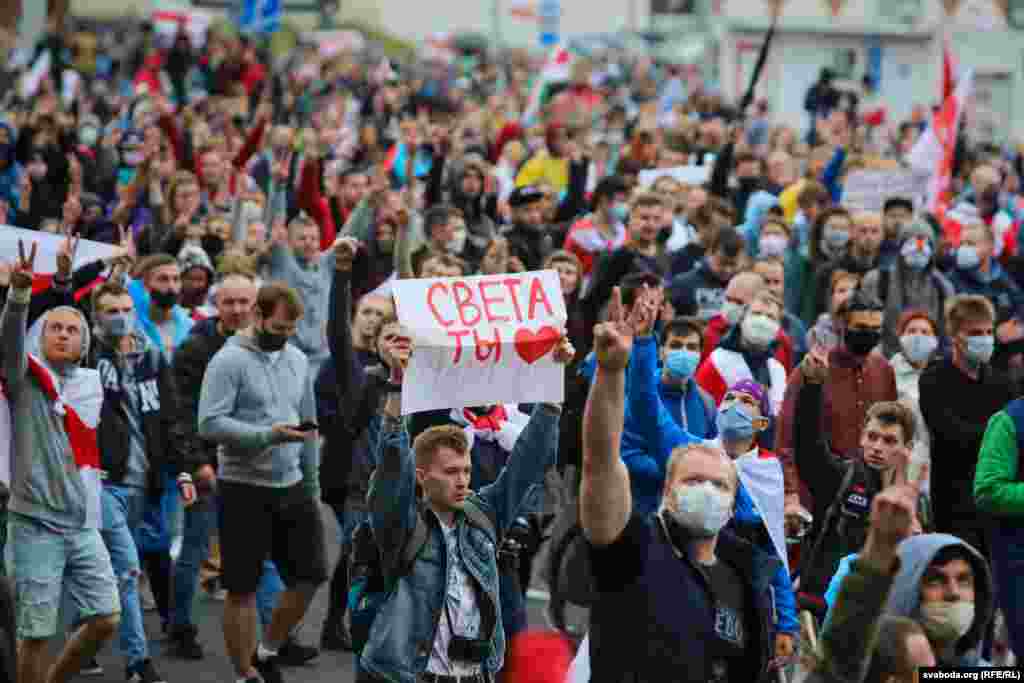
(997, 488)
(850, 633)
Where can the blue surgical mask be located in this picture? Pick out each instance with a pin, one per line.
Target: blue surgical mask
(735, 423)
(620, 212)
(117, 325)
(979, 349)
(681, 363)
(836, 239)
(967, 257)
(125, 175)
(918, 347)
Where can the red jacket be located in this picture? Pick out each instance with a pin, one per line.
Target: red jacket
(315, 204)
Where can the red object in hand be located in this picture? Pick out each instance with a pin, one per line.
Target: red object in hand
(538, 657)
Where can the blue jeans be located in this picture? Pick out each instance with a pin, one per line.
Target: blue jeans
(123, 508)
(44, 562)
(200, 521)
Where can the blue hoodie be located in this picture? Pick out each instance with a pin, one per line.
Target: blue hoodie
(182, 322)
(10, 173)
(750, 228)
(916, 554)
(651, 434)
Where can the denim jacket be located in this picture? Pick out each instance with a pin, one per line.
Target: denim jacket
(404, 630)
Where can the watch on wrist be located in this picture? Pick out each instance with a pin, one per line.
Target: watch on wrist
(393, 387)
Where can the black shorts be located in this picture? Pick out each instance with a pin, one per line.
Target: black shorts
(257, 522)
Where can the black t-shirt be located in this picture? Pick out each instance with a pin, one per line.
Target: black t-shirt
(730, 629)
(621, 564)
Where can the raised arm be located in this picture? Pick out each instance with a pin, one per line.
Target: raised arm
(392, 497)
(15, 361)
(605, 498)
(339, 325)
(815, 462)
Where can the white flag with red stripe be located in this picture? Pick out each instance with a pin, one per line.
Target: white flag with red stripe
(934, 151)
(556, 70)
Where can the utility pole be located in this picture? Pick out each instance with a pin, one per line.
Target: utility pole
(496, 23)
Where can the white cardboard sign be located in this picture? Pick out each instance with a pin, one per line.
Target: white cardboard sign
(690, 175)
(867, 190)
(482, 340)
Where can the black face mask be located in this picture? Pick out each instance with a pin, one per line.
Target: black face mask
(860, 342)
(268, 341)
(164, 300)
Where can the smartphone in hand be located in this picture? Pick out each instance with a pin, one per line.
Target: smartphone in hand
(307, 427)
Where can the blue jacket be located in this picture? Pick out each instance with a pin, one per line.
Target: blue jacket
(651, 433)
(182, 321)
(403, 632)
(782, 586)
(996, 286)
(845, 565)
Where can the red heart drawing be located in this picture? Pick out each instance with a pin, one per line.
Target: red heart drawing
(532, 346)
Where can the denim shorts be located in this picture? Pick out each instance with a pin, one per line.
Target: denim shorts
(44, 561)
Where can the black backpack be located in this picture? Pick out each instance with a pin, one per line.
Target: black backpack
(371, 583)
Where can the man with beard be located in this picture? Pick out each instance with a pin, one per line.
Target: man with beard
(156, 295)
(528, 238)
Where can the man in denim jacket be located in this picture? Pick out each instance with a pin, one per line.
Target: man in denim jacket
(454, 579)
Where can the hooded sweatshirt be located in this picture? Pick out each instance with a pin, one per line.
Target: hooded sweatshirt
(245, 392)
(48, 434)
(916, 554)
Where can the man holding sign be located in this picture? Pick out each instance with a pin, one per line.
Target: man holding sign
(441, 621)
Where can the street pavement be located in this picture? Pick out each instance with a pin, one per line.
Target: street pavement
(216, 668)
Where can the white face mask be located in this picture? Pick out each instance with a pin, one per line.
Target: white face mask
(759, 330)
(773, 246)
(946, 622)
(701, 509)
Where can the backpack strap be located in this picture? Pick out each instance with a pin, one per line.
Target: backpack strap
(883, 284)
(830, 515)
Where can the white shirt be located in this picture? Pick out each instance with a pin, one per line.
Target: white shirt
(461, 604)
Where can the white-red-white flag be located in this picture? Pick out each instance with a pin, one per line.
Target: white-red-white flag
(934, 151)
(556, 70)
(950, 67)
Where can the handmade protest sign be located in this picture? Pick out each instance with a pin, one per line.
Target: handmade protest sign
(482, 340)
(867, 190)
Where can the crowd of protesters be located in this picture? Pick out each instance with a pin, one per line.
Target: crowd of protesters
(790, 440)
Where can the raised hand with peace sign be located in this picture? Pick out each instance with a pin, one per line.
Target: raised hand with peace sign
(24, 268)
(66, 254)
(613, 339)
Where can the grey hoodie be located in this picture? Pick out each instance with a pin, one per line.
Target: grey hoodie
(43, 485)
(245, 392)
(916, 554)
